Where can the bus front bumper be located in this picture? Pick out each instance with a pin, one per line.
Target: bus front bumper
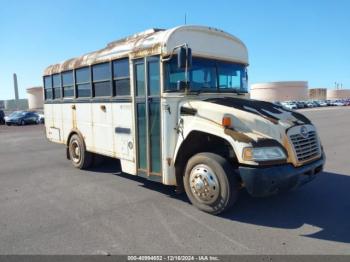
(265, 181)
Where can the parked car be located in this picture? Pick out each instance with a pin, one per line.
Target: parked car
(322, 103)
(315, 103)
(338, 103)
(2, 117)
(41, 118)
(300, 104)
(289, 105)
(329, 102)
(303, 103)
(22, 118)
(310, 104)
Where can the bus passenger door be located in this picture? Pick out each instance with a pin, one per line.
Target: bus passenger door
(147, 111)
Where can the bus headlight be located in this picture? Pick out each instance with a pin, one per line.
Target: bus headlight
(263, 153)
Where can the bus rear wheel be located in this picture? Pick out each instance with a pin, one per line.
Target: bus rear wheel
(80, 158)
(211, 183)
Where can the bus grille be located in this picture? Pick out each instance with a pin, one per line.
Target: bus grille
(306, 148)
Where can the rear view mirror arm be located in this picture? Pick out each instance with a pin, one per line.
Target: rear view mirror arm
(172, 52)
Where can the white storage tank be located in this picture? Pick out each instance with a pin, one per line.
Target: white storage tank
(280, 91)
(35, 97)
(333, 94)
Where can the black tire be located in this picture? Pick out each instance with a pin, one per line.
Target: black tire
(225, 176)
(80, 158)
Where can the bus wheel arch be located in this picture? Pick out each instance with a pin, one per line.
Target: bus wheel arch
(75, 146)
(73, 132)
(199, 142)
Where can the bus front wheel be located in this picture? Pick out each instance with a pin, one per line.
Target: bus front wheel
(80, 157)
(211, 183)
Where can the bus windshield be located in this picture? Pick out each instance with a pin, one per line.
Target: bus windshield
(207, 75)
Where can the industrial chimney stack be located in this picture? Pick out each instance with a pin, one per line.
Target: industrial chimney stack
(15, 85)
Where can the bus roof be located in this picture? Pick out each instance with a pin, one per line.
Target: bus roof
(204, 41)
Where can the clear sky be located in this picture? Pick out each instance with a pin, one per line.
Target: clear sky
(287, 39)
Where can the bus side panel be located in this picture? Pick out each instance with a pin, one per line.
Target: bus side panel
(169, 138)
(84, 123)
(123, 136)
(102, 130)
(53, 122)
(56, 132)
(68, 114)
(48, 119)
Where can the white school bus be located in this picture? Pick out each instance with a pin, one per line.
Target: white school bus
(171, 105)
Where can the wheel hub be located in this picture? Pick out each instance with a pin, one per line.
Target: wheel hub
(204, 184)
(199, 185)
(75, 151)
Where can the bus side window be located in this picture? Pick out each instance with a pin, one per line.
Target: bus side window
(82, 79)
(56, 86)
(67, 84)
(101, 75)
(121, 77)
(48, 87)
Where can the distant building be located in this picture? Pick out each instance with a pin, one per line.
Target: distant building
(318, 93)
(280, 91)
(338, 93)
(2, 104)
(12, 104)
(35, 97)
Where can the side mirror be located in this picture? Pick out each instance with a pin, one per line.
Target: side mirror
(182, 85)
(184, 57)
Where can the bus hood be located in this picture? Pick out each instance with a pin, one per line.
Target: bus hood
(252, 119)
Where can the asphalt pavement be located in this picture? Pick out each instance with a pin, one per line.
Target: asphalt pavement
(49, 207)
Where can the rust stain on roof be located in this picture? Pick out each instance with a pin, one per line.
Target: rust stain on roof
(135, 45)
(154, 42)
